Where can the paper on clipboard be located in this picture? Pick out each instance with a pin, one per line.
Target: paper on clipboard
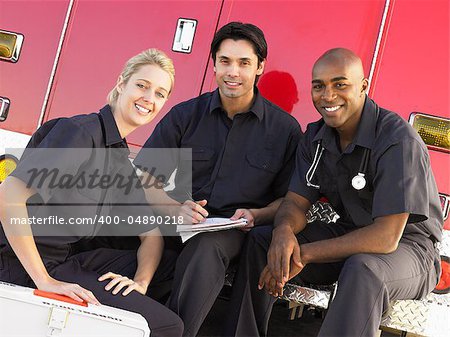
(210, 225)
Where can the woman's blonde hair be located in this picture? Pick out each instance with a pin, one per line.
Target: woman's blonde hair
(149, 56)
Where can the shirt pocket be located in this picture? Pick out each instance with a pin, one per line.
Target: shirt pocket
(202, 154)
(366, 195)
(265, 162)
(202, 166)
(258, 175)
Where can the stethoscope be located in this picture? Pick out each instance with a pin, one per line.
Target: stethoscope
(358, 181)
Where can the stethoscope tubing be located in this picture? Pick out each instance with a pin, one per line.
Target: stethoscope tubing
(358, 181)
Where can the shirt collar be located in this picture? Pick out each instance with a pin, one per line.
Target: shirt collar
(365, 135)
(110, 131)
(257, 108)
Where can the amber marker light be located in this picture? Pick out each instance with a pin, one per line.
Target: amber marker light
(435, 131)
(7, 165)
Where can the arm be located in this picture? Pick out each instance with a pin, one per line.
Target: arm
(266, 215)
(381, 237)
(157, 197)
(24, 246)
(289, 220)
(167, 136)
(148, 258)
(257, 216)
(192, 211)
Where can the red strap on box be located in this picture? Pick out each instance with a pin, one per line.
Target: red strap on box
(58, 297)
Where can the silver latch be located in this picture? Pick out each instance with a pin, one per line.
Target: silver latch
(184, 35)
(4, 107)
(57, 321)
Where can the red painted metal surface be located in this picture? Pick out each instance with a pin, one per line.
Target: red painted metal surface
(413, 72)
(297, 33)
(25, 82)
(103, 35)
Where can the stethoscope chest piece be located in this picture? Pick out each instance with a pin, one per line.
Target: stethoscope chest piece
(358, 181)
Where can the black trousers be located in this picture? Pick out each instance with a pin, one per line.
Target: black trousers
(200, 274)
(161, 285)
(366, 283)
(85, 268)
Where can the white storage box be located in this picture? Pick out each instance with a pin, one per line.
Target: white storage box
(23, 313)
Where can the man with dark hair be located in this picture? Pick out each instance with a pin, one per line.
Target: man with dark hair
(243, 152)
(374, 169)
(238, 31)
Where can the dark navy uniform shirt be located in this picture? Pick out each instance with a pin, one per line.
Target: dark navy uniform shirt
(399, 176)
(245, 162)
(79, 146)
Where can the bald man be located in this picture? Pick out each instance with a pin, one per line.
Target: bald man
(374, 169)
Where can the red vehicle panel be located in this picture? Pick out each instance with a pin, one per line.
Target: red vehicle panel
(97, 46)
(25, 82)
(297, 33)
(411, 76)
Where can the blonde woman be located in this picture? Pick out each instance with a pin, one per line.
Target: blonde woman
(89, 149)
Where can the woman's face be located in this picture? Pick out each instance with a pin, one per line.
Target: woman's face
(141, 98)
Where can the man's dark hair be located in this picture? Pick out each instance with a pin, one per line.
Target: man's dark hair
(241, 31)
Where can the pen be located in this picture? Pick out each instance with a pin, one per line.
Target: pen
(190, 197)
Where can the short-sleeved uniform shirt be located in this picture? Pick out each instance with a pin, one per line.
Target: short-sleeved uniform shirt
(399, 177)
(79, 148)
(245, 162)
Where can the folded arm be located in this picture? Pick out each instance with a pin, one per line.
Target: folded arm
(192, 211)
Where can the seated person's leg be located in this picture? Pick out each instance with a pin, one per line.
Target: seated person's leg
(85, 268)
(320, 273)
(368, 282)
(250, 307)
(115, 242)
(12, 271)
(200, 274)
(161, 285)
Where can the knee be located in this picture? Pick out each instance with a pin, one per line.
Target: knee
(169, 324)
(256, 245)
(202, 245)
(175, 328)
(204, 249)
(360, 267)
(260, 237)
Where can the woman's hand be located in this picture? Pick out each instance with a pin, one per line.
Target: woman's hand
(118, 282)
(193, 211)
(72, 290)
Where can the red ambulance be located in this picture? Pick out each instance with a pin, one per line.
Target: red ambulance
(59, 58)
